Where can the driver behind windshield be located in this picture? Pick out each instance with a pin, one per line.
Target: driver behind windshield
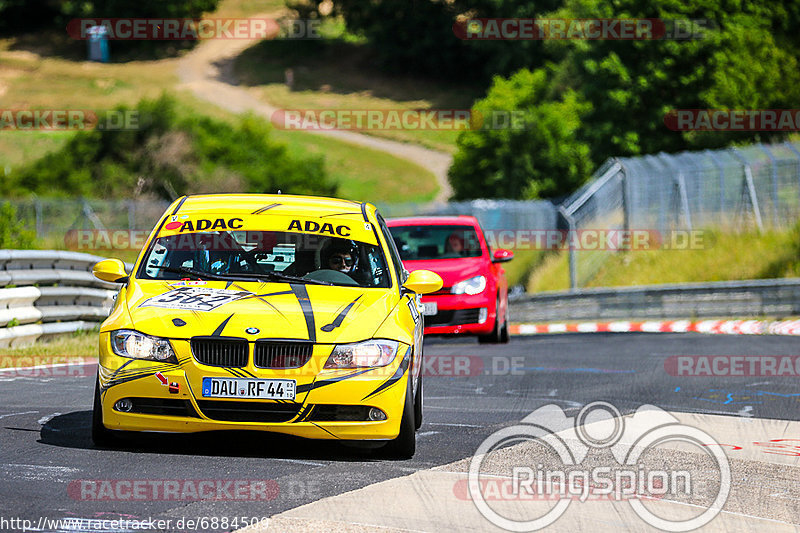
(340, 255)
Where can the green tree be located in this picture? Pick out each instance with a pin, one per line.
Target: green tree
(744, 57)
(539, 155)
(417, 36)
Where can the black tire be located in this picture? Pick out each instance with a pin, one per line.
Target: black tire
(101, 435)
(504, 338)
(418, 404)
(495, 336)
(405, 445)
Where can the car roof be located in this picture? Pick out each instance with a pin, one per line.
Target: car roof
(461, 220)
(277, 204)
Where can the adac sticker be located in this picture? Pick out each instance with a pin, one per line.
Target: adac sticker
(187, 283)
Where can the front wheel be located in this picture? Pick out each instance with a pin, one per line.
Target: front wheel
(418, 404)
(101, 435)
(496, 336)
(405, 445)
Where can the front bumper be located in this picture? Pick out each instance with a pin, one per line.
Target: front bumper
(460, 313)
(178, 404)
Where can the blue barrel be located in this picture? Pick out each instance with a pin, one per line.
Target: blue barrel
(98, 44)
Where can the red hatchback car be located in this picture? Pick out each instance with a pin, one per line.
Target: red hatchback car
(474, 297)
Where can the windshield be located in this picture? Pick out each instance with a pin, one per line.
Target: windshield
(265, 256)
(436, 242)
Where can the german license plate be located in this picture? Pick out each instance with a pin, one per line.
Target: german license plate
(255, 389)
(429, 308)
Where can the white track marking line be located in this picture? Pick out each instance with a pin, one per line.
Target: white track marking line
(300, 461)
(23, 413)
(45, 419)
(51, 365)
(453, 425)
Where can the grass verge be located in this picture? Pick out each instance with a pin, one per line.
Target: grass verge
(56, 350)
(723, 257)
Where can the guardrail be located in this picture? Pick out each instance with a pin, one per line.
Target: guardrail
(49, 292)
(729, 299)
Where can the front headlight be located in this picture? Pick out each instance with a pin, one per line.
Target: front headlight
(371, 353)
(469, 286)
(136, 345)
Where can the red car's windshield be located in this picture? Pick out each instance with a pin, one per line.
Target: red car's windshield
(436, 242)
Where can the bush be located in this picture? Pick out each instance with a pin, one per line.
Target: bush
(12, 230)
(169, 155)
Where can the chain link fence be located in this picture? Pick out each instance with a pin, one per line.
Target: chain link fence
(754, 187)
(737, 189)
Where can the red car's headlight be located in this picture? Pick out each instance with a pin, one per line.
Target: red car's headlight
(474, 285)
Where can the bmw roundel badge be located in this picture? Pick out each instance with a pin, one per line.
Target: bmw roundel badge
(252, 331)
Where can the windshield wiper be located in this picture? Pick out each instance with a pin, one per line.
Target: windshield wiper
(278, 276)
(192, 272)
(242, 276)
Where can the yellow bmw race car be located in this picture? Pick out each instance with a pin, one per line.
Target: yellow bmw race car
(278, 313)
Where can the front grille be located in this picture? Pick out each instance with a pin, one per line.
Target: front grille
(160, 406)
(339, 413)
(453, 317)
(236, 411)
(281, 354)
(220, 351)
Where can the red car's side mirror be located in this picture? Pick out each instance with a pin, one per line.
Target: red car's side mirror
(502, 256)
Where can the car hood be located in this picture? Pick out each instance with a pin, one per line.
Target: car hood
(323, 314)
(451, 270)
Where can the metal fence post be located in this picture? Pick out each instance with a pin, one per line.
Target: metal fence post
(573, 266)
(37, 208)
(721, 169)
(626, 198)
(796, 152)
(751, 188)
(774, 175)
(681, 183)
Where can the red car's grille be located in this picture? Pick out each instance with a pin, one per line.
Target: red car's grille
(453, 317)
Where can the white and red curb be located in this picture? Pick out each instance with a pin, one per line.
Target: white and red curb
(724, 327)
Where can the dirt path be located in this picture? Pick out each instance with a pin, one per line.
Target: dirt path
(208, 72)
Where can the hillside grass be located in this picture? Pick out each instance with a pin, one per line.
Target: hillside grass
(723, 257)
(40, 76)
(336, 72)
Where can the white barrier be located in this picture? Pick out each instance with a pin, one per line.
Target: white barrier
(34, 308)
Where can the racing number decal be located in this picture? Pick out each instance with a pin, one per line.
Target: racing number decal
(194, 298)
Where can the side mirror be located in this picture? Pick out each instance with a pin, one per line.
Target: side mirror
(423, 282)
(502, 256)
(112, 270)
